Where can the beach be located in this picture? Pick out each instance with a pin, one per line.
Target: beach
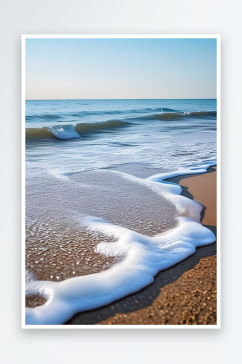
(185, 294)
(105, 214)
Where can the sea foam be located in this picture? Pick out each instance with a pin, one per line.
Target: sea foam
(64, 132)
(143, 258)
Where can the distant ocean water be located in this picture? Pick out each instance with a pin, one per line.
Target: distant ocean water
(95, 196)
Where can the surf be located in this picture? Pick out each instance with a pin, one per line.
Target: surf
(142, 257)
(71, 131)
(175, 115)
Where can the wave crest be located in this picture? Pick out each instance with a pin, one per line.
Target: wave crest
(165, 115)
(71, 131)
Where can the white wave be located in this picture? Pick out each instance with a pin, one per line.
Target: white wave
(64, 132)
(143, 258)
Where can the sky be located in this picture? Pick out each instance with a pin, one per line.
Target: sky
(124, 68)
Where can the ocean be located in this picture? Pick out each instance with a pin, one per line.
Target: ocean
(101, 221)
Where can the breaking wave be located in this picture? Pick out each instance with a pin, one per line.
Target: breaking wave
(71, 131)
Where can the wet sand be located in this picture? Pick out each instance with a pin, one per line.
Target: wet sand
(185, 294)
(203, 189)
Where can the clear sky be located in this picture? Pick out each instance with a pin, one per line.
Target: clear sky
(120, 68)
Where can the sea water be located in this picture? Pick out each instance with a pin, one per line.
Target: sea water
(101, 221)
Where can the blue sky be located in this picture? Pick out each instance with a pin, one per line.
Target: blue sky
(120, 68)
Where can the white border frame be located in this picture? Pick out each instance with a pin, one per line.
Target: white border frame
(23, 325)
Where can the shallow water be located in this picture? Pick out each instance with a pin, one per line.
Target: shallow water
(88, 164)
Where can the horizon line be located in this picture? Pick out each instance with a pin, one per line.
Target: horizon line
(65, 99)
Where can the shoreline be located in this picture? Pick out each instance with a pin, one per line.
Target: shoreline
(193, 185)
(183, 294)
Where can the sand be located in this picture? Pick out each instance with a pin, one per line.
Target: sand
(185, 294)
(203, 189)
